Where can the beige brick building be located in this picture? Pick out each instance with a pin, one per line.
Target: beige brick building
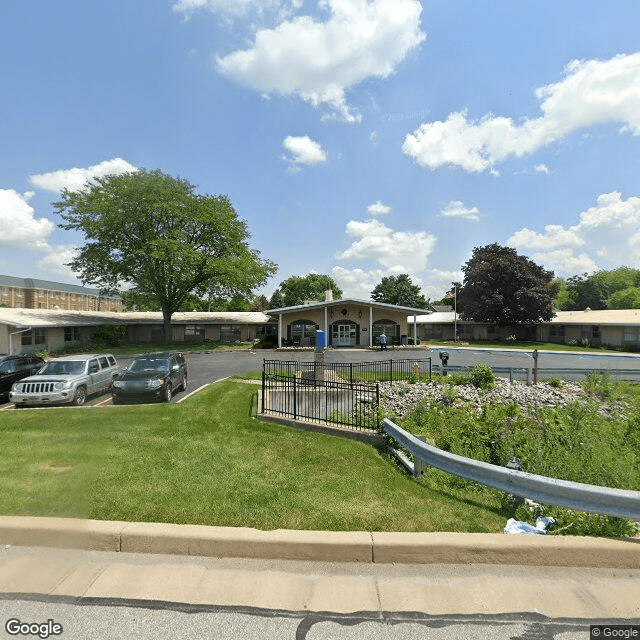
(28, 293)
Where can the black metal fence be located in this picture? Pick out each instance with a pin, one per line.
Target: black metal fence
(355, 372)
(352, 405)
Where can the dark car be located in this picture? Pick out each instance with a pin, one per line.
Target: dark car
(153, 376)
(14, 368)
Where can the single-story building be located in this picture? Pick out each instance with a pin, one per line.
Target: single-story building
(28, 330)
(611, 327)
(346, 323)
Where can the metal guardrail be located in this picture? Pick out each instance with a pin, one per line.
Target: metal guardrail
(574, 495)
(525, 374)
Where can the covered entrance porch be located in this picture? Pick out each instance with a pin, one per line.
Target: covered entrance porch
(346, 323)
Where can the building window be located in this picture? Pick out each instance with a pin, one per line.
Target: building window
(230, 333)
(388, 327)
(52, 294)
(556, 331)
(303, 332)
(26, 338)
(632, 334)
(38, 335)
(194, 332)
(71, 334)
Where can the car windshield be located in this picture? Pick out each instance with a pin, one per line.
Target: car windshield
(149, 364)
(63, 367)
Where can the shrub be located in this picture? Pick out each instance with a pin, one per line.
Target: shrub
(482, 376)
(555, 382)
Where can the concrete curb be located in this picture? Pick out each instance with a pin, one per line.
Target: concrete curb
(325, 546)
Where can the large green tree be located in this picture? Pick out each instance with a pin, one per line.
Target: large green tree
(506, 289)
(155, 233)
(300, 289)
(601, 290)
(399, 290)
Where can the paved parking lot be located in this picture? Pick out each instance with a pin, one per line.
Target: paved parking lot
(205, 368)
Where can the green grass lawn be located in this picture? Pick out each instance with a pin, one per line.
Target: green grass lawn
(206, 461)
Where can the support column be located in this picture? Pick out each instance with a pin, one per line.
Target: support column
(279, 330)
(326, 327)
(371, 326)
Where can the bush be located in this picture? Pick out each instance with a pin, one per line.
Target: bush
(482, 376)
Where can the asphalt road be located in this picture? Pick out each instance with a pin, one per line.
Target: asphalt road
(154, 621)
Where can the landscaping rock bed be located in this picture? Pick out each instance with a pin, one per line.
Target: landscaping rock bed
(402, 397)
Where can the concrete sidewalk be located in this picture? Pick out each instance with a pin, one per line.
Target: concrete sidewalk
(84, 562)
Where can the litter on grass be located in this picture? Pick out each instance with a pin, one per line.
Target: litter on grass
(518, 526)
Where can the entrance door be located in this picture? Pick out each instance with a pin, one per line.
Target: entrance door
(344, 335)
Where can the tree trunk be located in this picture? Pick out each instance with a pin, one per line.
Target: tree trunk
(166, 333)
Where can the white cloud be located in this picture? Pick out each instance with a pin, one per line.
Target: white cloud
(54, 262)
(397, 251)
(592, 93)
(303, 150)
(456, 209)
(18, 225)
(541, 168)
(76, 178)
(357, 283)
(378, 208)
(606, 236)
(320, 61)
(235, 8)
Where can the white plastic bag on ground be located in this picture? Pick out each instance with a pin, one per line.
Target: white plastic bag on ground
(518, 526)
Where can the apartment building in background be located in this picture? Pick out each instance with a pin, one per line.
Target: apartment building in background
(29, 293)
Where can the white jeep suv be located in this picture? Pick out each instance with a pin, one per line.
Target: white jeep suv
(66, 380)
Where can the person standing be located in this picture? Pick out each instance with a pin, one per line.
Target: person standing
(383, 342)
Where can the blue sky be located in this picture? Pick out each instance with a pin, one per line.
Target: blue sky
(357, 138)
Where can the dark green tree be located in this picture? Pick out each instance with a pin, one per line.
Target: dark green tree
(154, 232)
(600, 290)
(399, 290)
(506, 289)
(300, 289)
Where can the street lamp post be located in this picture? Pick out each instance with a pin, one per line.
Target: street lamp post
(455, 313)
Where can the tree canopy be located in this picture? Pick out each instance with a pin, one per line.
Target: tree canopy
(615, 289)
(300, 289)
(503, 288)
(399, 290)
(154, 232)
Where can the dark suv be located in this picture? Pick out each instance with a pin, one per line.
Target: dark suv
(152, 376)
(14, 368)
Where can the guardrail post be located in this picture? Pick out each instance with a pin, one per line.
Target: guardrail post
(419, 466)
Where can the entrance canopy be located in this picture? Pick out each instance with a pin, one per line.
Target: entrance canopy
(346, 323)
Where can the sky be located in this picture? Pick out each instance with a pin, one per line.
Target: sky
(357, 138)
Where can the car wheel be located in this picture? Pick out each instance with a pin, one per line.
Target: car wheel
(183, 386)
(167, 393)
(81, 397)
